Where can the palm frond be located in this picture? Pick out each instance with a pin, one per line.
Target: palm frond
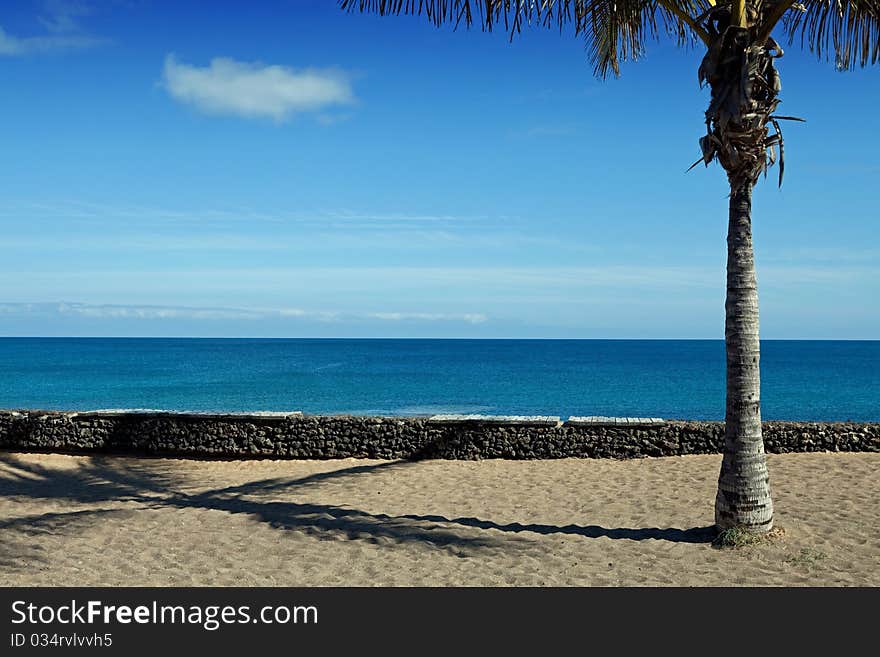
(847, 29)
(614, 30)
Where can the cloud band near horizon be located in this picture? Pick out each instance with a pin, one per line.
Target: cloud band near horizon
(151, 312)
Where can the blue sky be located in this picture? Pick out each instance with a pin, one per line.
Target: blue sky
(292, 170)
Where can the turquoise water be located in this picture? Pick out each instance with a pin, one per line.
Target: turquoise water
(801, 380)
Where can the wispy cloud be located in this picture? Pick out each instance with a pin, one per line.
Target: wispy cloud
(823, 254)
(251, 90)
(63, 16)
(11, 45)
(332, 119)
(471, 318)
(91, 227)
(102, 214)
(150, 312)
(548, 130)
(61, 20)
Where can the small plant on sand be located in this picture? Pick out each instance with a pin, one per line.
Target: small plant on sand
(807, 557)
(735, 537)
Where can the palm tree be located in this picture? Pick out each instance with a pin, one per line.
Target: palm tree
(738, 67)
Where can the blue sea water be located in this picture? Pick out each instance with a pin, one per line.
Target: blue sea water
(801, 380)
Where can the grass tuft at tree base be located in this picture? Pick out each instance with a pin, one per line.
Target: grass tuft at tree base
(735, 537)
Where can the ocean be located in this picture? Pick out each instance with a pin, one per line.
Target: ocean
(673, 379)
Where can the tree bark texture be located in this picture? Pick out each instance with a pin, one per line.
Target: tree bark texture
(743, 498)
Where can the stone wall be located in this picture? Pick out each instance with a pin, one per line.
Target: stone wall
(300, 436)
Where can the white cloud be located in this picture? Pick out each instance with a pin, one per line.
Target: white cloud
(11, 45)
(251, 90)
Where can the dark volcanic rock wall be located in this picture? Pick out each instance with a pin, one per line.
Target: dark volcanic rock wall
(325, 437)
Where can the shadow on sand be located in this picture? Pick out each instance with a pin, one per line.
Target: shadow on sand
(152, 485)
(693, 535)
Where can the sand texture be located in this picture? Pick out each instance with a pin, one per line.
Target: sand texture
(112, 520)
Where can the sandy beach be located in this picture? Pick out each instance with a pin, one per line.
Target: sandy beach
(112, 520)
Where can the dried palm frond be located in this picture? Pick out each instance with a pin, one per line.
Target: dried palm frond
(745, 85)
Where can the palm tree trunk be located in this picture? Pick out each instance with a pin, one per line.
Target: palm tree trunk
(743, 498)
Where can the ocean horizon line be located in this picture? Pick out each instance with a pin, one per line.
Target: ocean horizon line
(830, 380)
(408, 338)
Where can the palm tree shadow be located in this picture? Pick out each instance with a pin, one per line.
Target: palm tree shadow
(115, 479)
(333, 522)
(282, 483)
(90, 481)
(693, 535)
(112, 479)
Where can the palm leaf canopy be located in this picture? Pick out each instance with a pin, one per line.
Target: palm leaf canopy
(848, 30)
(617, 30)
